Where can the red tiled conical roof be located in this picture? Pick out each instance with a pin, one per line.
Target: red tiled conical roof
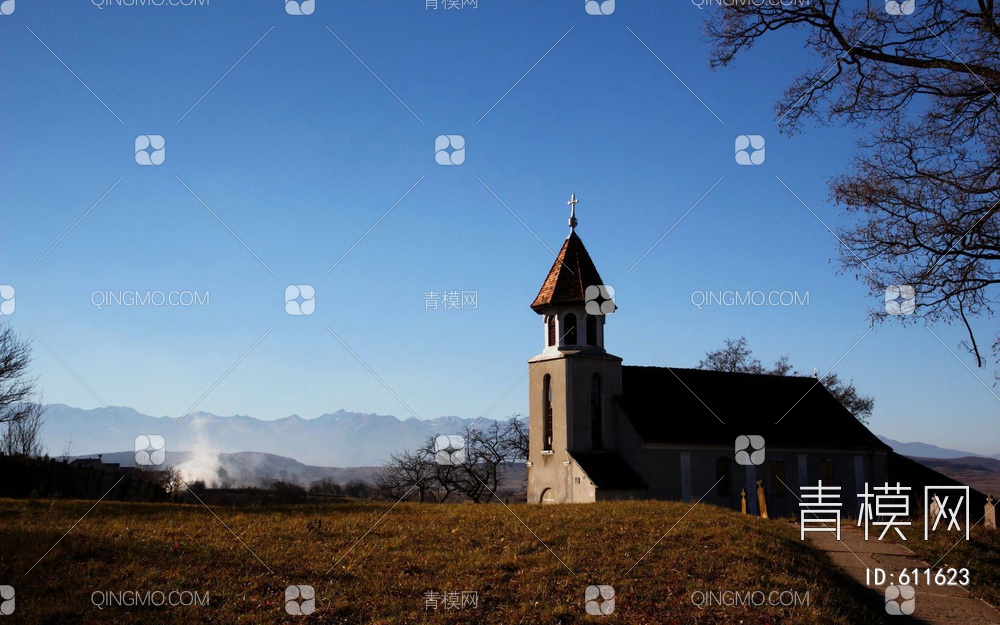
(569, 277)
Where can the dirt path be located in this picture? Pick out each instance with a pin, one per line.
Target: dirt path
(933, 605)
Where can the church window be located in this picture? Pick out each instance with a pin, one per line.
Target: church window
(570, 329)
(778, 488)
(552, 330)
(591, 330)
(826, 472)
(724, 475)
(547, 412)
(596, 422)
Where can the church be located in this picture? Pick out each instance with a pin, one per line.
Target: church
(602, 430)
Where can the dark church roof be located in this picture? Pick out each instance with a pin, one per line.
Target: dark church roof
(607, 470)
(676, 406)
(569, 277)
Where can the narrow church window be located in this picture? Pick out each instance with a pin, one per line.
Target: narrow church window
(547, 412)
(570, 333)
(552, 330)
(596, 422)
(591, 330)
(724, 475)
(826, 472)
(778, 478)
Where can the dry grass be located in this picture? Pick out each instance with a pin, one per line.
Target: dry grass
(980, 554)
(415, 548)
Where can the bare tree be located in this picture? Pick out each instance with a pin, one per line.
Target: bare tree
(924, 185)
(326, 486)
(358, 489)
(169, 478)
(223, 479)
(516, 435)
(17, 387)
(736, 357)
(408, 474)
(173, 481)
(21, 436)
(474, 473)
(488, 452)
(479, 472)
(67, 451)
(445, 479)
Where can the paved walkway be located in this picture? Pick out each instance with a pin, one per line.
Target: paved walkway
(935, 605)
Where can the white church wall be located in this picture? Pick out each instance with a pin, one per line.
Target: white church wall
(580, 488)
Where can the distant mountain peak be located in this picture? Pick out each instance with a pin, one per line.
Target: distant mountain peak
(925, 450)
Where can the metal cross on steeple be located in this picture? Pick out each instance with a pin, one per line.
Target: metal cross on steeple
(572, 211)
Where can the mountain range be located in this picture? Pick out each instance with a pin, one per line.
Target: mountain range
(925, 450)
(339, 439)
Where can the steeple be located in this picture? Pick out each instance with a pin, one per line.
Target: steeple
(573, 298)
(574, 380)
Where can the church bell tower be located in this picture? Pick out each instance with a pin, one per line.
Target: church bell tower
(573, 381)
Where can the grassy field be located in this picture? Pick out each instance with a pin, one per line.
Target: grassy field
(655, 567)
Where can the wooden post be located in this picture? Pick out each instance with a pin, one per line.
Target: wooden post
(743, 500)
(761, 501)
(991, 513)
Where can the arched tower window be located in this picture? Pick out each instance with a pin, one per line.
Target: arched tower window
(570, 329)
(547, 413)
(591, 330)
(552, 330)
(596, 422)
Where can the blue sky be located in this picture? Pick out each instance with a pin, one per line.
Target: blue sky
(300, 149)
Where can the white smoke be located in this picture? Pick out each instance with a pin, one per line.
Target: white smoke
(204, 462)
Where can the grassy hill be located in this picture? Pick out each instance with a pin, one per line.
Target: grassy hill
(980, 473)
(521, 575)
